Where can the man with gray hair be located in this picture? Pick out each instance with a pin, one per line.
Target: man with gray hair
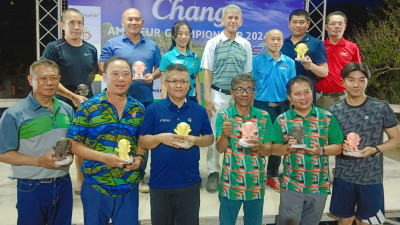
(28, 132)
(225, 55)
(242, 179)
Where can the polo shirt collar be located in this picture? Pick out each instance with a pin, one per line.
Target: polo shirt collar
(103, 97)
(294, 114)
(224, 37)
(171, 104)
(341, 42)
(305, 39)
(124, 37)
(269, 57)
(235, 112)
(35, 104)
(178, 53)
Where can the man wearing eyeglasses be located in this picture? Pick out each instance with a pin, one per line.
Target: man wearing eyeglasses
(175, 177)
(242, 176)
(340, 52)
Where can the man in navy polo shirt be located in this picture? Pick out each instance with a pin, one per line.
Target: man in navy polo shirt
(132, 46)
(28, 131)
(174, 175)
(315, 63)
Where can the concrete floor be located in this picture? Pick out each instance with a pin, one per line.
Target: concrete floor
(209, 202)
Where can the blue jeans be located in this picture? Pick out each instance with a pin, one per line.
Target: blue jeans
(229, 210)
(44, 203)
(98, 208)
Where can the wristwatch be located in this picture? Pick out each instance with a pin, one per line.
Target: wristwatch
(378, 151)
(322, 151)
(142, 157)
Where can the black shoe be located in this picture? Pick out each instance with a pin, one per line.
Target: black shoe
(212, 183)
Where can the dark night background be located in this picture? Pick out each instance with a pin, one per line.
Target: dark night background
(18, 36)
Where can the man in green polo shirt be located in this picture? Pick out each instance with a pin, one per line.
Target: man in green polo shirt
(305, 182)
(242, 179)
(28, 132)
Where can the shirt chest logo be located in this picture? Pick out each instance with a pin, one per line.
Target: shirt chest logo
(345, 54)
(86, 54)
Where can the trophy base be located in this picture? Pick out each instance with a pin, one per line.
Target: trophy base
(63, 162)
(130, 160)
(299, 146)
(182, 144)
(244, 144)
(299, 59)
(138, 78)
(355, 154)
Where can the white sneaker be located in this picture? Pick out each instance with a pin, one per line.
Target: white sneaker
(143, 187)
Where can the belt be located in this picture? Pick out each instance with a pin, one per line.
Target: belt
(333, 94)
(46, 180)
(274, 104)
(227, 92)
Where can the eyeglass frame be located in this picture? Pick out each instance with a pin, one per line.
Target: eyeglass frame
(244, 90)
(176, 82)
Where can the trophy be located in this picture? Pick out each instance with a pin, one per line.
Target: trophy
(183, 129)
(61, 150)
(353, 140)
(139, 67)
(249, 130)
(124, 147)
(298, 134)
(301, 50)
(83, 90)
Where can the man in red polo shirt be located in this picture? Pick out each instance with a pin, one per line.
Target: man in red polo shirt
(339, 52)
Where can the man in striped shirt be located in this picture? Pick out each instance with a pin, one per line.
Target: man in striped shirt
(225, 56)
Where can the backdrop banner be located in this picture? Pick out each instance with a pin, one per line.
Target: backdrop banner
(103, 20)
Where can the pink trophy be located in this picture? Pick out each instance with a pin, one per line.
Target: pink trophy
(139, 67)
(353, 140)
(249, 130)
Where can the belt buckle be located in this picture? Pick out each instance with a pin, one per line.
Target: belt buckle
(47, 180)
(272, 104)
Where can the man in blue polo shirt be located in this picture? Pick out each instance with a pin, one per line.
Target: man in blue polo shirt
(272, 71)
(132, 46)
(174, 175)
(315, 63)
(28, 131)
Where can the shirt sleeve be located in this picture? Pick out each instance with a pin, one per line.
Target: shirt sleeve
(50, 52)
(335, 135)
(207, 61)
(147, 126)
(248, 66)
(278, 132)
(78, 130)
(269, 133)
(106, 52)
(357, 55)
(157, 56)
(9, 128)
(95, 67)
(206, 126)
(389, 117)
(164, 62)
(219, 124)
(320, 54)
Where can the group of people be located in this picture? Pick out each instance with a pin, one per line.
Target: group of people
(273, 91)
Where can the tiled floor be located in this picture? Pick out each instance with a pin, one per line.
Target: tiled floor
(209, 202)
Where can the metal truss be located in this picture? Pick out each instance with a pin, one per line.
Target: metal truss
(317, 11)
(48, 14)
